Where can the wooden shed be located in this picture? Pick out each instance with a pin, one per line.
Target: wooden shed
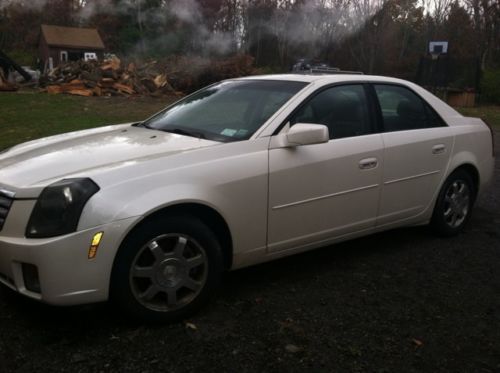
(60, 44)
(461, 98)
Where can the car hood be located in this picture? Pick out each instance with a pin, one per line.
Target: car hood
(40, 162)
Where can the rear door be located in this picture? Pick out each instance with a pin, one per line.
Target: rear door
(417, 148)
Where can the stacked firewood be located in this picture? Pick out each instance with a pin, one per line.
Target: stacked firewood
(109, 78)
(176, 75)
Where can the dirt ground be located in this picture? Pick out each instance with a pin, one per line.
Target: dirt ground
(400, 301)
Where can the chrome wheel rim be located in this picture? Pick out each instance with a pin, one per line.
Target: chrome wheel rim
(168, 272)
(456, 203)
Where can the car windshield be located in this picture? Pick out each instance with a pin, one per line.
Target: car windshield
(226, 111)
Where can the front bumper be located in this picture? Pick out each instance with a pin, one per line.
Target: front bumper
(66, 275)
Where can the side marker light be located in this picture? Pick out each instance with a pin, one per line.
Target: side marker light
(94, 245)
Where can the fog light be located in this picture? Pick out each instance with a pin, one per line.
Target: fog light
(30, 277)
(94, 244)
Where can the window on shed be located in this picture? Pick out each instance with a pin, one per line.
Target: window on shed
(63, 56)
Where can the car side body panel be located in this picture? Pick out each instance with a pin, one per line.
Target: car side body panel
(473, 146)
(311, 189)
(415, 164)
(232, 180)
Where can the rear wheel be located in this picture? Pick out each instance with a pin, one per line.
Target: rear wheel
(454, 204)
(167, 269)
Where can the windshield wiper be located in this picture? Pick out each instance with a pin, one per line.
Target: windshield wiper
(141, 124)
(185, 132)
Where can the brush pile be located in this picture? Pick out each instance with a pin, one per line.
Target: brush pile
(176, 76)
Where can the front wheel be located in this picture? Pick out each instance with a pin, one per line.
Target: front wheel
(454, 204)
(166, 269)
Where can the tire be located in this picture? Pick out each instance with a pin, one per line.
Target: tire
(454, 204)
(166, 269)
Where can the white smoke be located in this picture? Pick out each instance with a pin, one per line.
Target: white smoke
(186, 10)
(317, 22)
(31, 4)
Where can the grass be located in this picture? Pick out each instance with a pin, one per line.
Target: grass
(30, 115)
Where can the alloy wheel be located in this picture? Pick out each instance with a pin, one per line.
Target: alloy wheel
(168, 272)
(456, 203)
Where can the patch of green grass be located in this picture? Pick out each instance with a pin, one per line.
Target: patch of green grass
(490, 114)
(28, 115)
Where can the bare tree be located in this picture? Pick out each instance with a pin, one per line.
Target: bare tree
(485, 15)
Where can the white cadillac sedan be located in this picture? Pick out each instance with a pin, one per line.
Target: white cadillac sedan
(244, 171)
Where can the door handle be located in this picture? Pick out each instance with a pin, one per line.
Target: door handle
(438, 149)
(368, 163)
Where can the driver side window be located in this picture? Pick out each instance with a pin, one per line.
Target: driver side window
(343, 109)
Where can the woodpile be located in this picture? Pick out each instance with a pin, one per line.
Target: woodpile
(176, 75)
(109, 78)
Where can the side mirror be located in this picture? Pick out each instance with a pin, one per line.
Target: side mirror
(307, 134)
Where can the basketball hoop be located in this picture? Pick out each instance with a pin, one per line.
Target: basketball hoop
(437, 48)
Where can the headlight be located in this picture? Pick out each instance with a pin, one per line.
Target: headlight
(58, 209)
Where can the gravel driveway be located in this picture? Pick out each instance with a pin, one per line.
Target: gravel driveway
(399, 301)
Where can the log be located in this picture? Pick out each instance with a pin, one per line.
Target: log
(124, 88)
(149, 84)
(54, 89)
(70, 86)
(161, 80)
(106, 82)
(113, 64)
(81, 92)
(110, 74)
(90, 84)
(97, 91)
(93, 76)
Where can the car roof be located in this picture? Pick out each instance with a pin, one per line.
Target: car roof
(324, 78)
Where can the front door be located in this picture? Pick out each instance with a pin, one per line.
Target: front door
(321, 191)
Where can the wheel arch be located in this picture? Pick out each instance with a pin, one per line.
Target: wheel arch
(472, 170)
(437, 223)
(207, 214)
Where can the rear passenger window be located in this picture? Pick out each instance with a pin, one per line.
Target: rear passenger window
(343, 109)
(403, 110)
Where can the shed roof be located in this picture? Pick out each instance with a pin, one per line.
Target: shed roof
(72, 37)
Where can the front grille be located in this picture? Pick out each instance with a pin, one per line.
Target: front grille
(6, 199)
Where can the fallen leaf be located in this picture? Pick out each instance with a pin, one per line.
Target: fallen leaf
(417, 342)
(292, 348)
